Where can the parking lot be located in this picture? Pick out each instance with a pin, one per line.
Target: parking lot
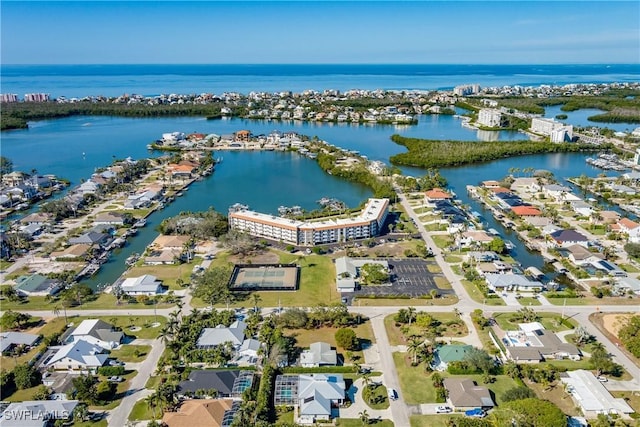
(410, 277)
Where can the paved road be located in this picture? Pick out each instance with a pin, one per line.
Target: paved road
(119, 416)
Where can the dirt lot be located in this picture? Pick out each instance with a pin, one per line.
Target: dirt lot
(613, 322)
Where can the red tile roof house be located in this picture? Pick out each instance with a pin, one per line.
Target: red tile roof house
(526, 211)
(437, 194)
(631, 228)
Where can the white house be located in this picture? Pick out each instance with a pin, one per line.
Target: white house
(318, 354)
(592, 396)
(98, 333)
(79, 355)
(142, 285)
(212, 337)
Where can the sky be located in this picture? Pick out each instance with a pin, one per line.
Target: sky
(361, 32)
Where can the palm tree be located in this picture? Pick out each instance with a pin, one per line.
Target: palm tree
(364, 417)
(152, 402)
(410, 312)
(414, 344)
(256, 300)
(366, 379)
(56, 310)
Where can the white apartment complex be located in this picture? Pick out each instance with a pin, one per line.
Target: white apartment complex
(556, 131)
(36, 97)
(489, 117)
(367, 223)
(8, 97)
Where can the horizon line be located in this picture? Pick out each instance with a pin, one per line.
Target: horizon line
(324, 63)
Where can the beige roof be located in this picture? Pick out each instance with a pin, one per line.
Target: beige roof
(171, 241)
(465, 393)
(72, 251)
(198, 413)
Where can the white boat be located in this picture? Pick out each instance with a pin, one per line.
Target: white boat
(140, 223)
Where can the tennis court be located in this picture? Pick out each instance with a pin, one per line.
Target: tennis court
(266, 277)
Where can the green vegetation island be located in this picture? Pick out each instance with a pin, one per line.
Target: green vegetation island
(428, 153)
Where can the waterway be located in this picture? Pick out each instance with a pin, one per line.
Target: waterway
(73, 147)
(581, 118)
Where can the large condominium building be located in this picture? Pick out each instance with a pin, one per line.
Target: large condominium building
(556, 131)
(36, 97)
(489, 117)
(8, 97)
(464, 90)
(313, 232)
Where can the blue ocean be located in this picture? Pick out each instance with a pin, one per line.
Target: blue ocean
(150, 80)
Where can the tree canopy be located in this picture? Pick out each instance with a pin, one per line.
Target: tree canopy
(530, 412)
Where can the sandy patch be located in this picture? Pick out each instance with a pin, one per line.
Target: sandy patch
(613, 322)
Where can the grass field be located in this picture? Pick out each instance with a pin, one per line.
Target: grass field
(317, 285)
(477, 296)
(557, 396)
(591, 300)
(305, 337)
(431, 420)
(529, 301)
(396, 337)
(169, 274)
(101, 301)
(126, 322)
(356, 422)
(406, 302)
(127, 353)
(141, 411)
(378, 397)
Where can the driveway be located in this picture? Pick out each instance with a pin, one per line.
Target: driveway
(358, 404)
(118, 417)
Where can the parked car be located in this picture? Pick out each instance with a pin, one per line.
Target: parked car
(392, 393)
(443, 410)
(602, 378)
(476, 412)
(114, 362)
(115, 379)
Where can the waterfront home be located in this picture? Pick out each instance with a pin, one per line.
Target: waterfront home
(110, 218)
(318, 354)
(226, 384)
(566, 238)
(559, 193)
(469, 238)
(9, 340)
(98, 333)
(591, 396)
(483, 256)
(88, 187)
(14, 178)
(538, 221)
(607, 217)
(463, 394)
(141, 199)
(21, 192)
(579, 255)
(212, 337)
(436, 194)
(142, 285)
(37, 218)
(37, 413)
(491, 184)
(73, 252)
(202, 413)
(526, 185)
(512, 282)
(623, 189)
(527, 211)
(181, 170)
(170, 242)
(31, 230)
(242, 135)
(79, 355)
(445, 354)
(495, 267)
(163, 257)
(581, 207)
(37, 285)
(92, 238)
(498, 190)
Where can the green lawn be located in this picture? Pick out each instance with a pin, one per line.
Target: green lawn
(317, 285)
(591, 300)
(305, 337)
(153, 382)
(169, 274)
(442, 282)
(529, 301)
(22, 395)
(120, 392)
(127, 353)
(477, 296)
(51, 326)
(141, 412)
(356, 422)
(126, 322)
(629, 268)
(101, 423)
(396, 337)
(378, 398)
(452, 259)
(284, 417)
(406, 302)
(100, 301)
(441, 241)
(431, 420)
(551, 321)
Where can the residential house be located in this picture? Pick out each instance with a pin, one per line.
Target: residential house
(559, 193)
(176, 242)
(512, 282)
(162, 257)
(110, 218)
(592, 396)
(92, 238)
(213, 337)
(579, 255)
(491, 184)
(533, 344)
(527, 185)
(37, 285)
(318, 354)
(582, 208)
(37, 413)
(227, 384)
(630, 228)
(98, 333)
(142, 285)
(609, 217)
(79, 355)
(78, 251)
(181, 171)
(526, 211)
(436, 194)
(623, 189)
(566, 238)
(202, 413)
(10, 339)
(482, 256)
(628, 284)
(495, 267)
(248, 352)
(469, 238)
(448, 353)
(88, 187)
(317, 394)
(37, 218)
(463, 394)
(538, 221)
